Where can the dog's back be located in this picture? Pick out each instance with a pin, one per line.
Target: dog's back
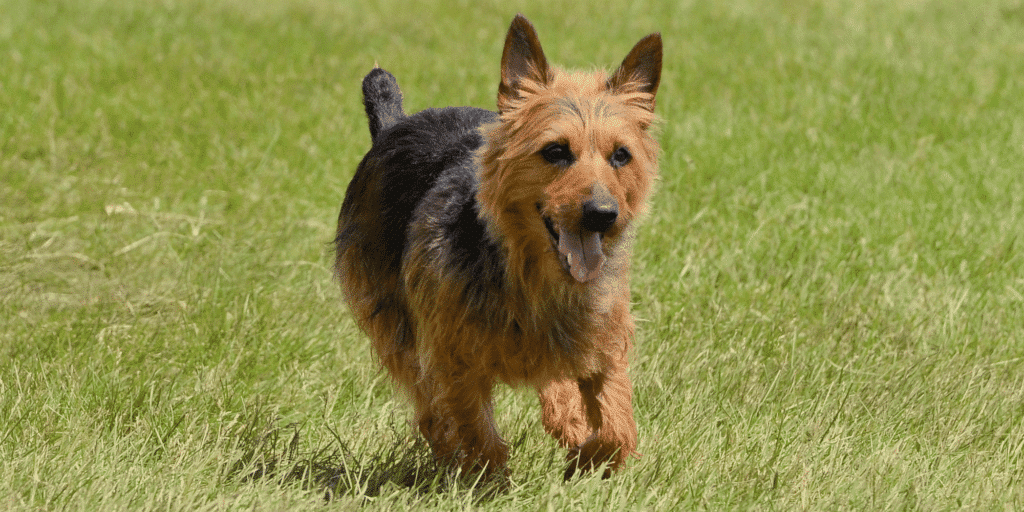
(410, 156)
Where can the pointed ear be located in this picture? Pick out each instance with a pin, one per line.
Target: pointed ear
(641, 70)
(522, 58)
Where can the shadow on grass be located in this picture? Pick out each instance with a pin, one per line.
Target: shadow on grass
(271, 452)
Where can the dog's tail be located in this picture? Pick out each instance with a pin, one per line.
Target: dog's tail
(383, 101)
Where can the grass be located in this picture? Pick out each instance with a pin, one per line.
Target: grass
(831, 281)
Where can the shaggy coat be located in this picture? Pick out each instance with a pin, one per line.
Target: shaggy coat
(475, 247)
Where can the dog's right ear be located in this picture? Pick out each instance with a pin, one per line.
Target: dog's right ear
(522, 59)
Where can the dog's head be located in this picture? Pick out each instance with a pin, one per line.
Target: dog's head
(569, 166)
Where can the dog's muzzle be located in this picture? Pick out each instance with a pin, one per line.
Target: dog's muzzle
(580, 249)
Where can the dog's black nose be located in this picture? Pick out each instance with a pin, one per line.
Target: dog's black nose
(599, 214)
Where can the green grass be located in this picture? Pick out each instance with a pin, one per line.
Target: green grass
(831, 283)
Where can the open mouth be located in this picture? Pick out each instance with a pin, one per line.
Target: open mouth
(579, 250)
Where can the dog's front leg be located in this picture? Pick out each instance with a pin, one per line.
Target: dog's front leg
(457, 418)
(607, 400)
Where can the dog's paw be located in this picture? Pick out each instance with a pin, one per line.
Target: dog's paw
(593, 454)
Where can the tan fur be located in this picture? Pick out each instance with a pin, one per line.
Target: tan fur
(570, 340)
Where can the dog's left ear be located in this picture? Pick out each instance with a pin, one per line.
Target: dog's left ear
(641, 69)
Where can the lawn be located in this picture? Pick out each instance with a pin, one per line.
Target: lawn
(830, 284)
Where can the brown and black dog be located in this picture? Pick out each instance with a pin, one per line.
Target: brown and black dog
(475, 247)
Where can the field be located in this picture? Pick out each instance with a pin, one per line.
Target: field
(830, 283)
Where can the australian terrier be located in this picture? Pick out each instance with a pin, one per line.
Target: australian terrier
(475, 247)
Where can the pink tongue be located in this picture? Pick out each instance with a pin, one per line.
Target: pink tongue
(583, 252)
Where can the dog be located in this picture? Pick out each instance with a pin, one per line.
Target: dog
(476, 247)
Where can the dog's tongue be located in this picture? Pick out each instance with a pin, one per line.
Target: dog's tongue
(583, 252)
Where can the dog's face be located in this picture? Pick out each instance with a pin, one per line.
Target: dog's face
(600, 162)
(576, 159)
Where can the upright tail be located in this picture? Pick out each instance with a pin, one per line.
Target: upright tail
(383, 101)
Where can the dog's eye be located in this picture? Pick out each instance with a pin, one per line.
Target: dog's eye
(620, 157)
(558, 154)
